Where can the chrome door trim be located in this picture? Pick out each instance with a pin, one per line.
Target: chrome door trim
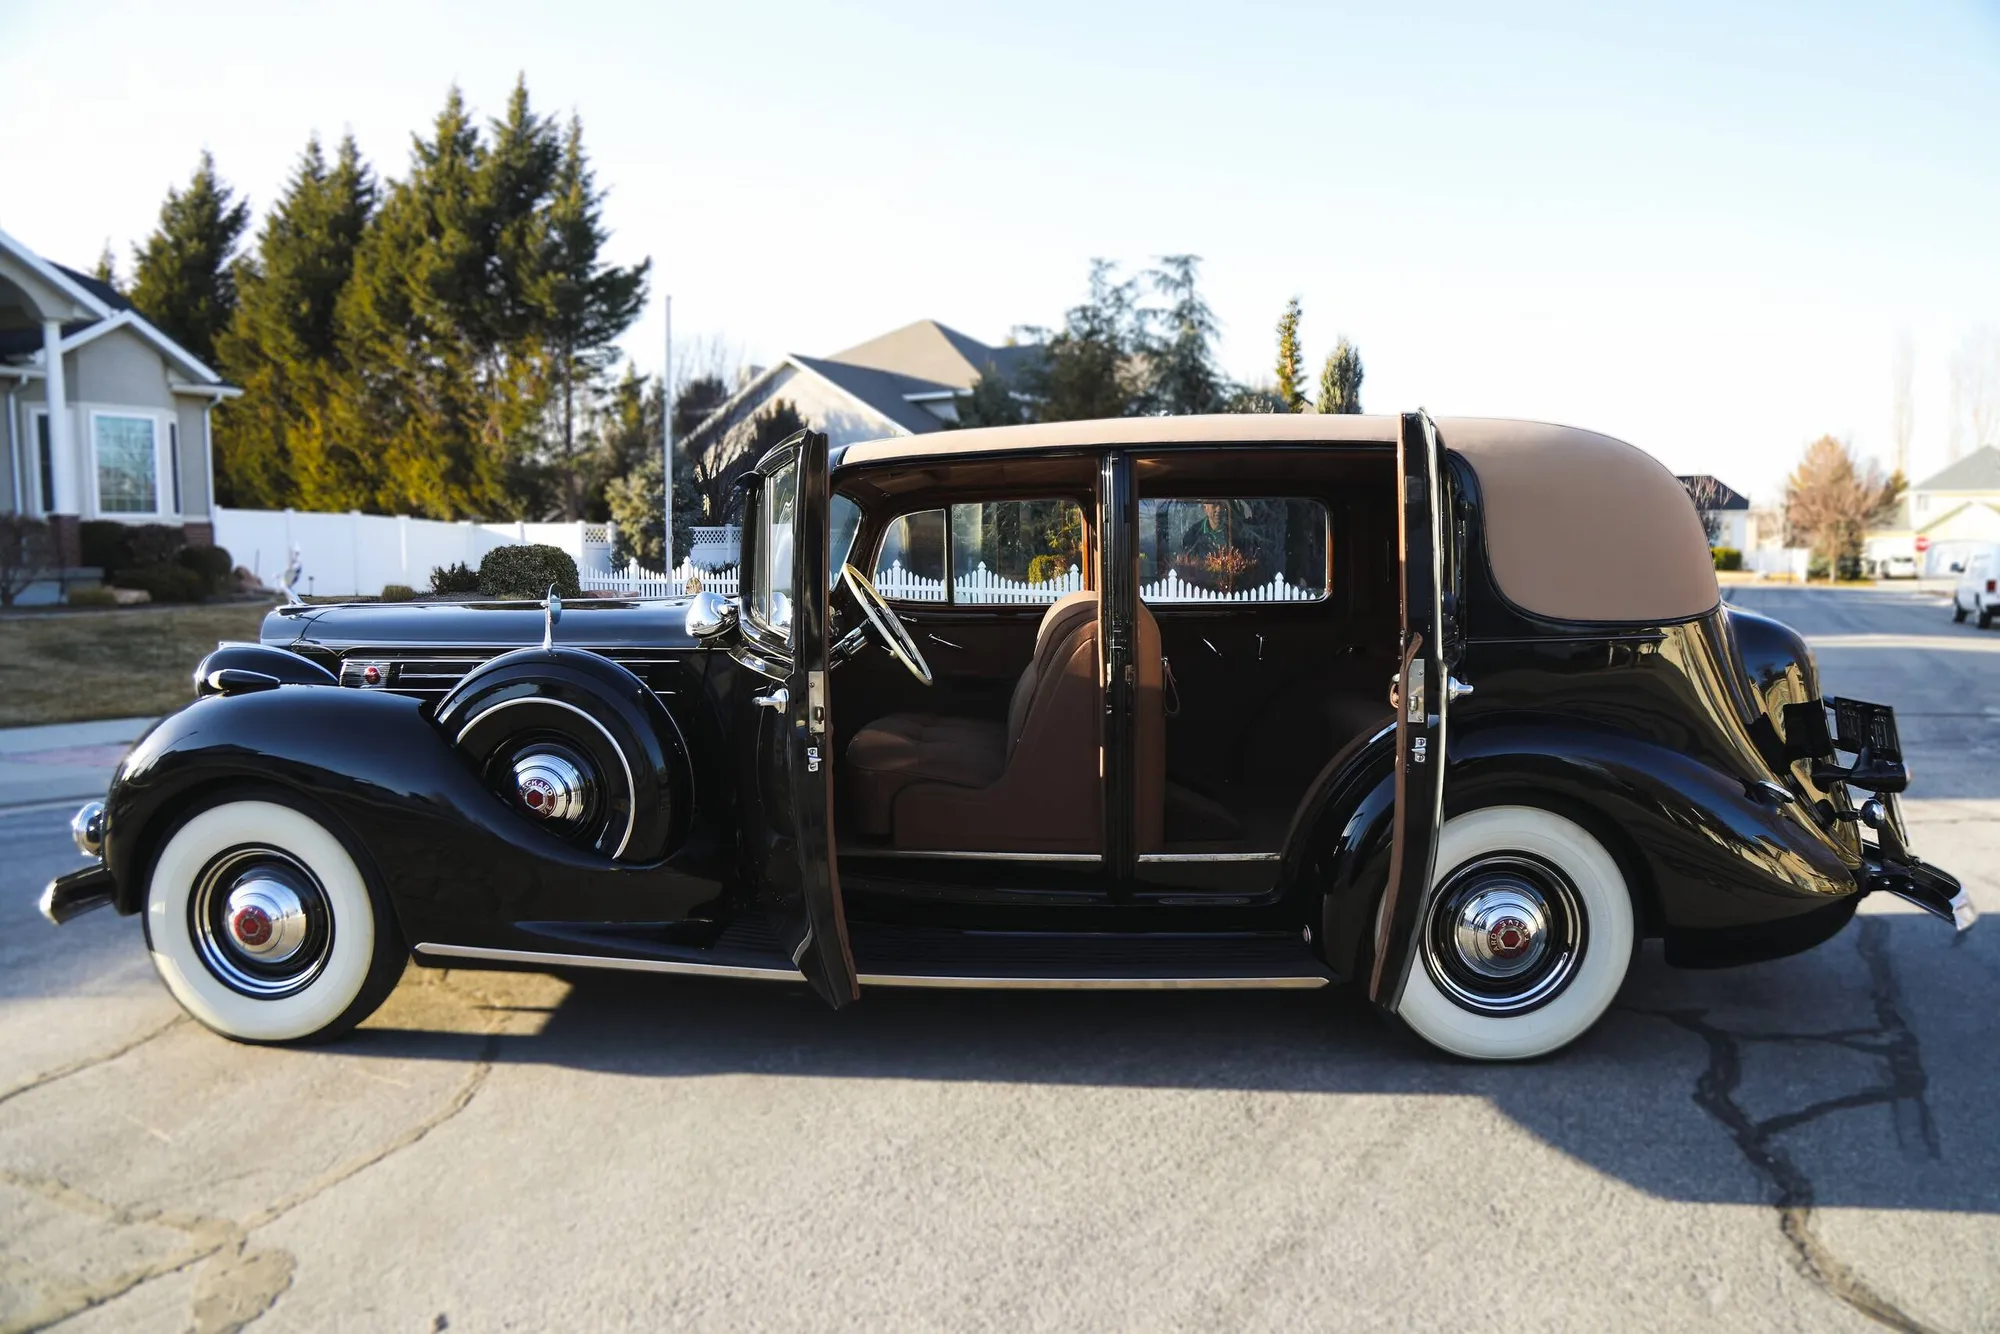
(1160, 858)
(1294, 983)
(432, 950)
(1077, 858)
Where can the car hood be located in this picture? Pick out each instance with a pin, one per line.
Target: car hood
(597, 623)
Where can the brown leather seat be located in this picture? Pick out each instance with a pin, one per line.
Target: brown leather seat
(1032, 784)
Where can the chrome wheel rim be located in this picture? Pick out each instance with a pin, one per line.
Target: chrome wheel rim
(1504, 934)
(261, 922)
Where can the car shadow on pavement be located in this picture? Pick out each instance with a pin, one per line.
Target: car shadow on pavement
(1795, 1083)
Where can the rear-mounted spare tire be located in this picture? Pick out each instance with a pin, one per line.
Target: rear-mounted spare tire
(577, 744)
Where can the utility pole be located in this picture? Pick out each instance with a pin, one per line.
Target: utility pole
(667, 444)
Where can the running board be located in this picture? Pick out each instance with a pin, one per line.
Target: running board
(923, 957)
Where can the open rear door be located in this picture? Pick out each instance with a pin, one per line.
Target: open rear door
(786, 713)
(1422, 691)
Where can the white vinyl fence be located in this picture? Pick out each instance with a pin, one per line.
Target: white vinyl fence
(636, 581)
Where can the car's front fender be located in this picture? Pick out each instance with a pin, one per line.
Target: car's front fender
(455, 859)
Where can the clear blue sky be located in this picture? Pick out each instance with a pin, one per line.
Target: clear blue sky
(1702, 230)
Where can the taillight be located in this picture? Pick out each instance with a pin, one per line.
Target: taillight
(1990, 585)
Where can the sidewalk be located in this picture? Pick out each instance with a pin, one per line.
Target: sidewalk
(63, 761)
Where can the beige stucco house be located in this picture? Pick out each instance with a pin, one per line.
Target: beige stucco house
(105, 416)
(1951, 513)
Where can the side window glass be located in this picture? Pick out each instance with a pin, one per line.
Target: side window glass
(843, 520)
(1012, 551)
(771, 596)
(910, 565)
(1235, 550)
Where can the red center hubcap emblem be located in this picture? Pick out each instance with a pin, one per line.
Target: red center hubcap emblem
(1508, 938)
(537, 795)
(252, 926)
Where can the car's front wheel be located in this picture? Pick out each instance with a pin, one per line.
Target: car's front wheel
(1957, 610)
(264, 928)
(1526, 939)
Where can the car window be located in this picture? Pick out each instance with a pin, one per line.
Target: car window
(1235, 550)
(843, 521)
(1012, 551)
(770, 602)
(910, 565)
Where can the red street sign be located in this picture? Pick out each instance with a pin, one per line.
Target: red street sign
(1923, 545)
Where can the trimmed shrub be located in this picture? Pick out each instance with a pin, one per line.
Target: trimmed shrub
(397, 592)
(117, 547)
(527, 572)
(165, 583)
(92, 597)
(211, 563)
(459, 578)
(1727, 558)
(102, 543)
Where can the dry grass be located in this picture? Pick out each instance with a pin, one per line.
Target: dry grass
(65, 667)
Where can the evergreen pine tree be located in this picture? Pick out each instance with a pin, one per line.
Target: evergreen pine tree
(106, 268)
(183, 279)
(1184, 375)
(412, 328)
(582, 304)
(281, 344)
(1291, 361)
(1340, 379)
(991, 402)
(1089, 369)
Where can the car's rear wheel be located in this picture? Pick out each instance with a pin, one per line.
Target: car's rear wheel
(1957, 610)
(1985, 616)
(264, 928)
(1527, 937)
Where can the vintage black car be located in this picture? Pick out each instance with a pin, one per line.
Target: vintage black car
(1451, 712)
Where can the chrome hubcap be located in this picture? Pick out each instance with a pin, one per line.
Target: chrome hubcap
(552, 785)
(260, 922)
(265, 919)
(1504, 934)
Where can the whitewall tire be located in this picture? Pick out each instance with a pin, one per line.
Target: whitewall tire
(1526, 940)
(264, 929)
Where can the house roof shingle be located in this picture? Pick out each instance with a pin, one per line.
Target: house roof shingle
(1977, 471)
(927, 350)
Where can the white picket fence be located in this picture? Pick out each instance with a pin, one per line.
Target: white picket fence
(1173, 588)
(636, 581)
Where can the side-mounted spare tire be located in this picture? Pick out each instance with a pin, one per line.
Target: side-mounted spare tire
(577, 743)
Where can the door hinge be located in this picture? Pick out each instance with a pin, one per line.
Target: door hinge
(816, 703)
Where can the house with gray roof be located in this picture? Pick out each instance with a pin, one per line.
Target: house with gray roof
(906, 382)
(1946, 515)
(105, 416)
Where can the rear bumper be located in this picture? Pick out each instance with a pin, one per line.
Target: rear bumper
(71, 896)
(1936, 892)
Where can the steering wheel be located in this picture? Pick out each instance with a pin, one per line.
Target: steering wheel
(888, 627)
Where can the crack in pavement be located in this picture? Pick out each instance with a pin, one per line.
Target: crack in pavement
(90, 1062)
(248, 1282)
(1903, 1091)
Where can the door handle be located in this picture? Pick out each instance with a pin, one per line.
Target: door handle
(1455, 688)
(944, 642)
(780, 698)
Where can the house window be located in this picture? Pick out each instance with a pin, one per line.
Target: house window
(174, 462)
(45, 459)
(128, 465)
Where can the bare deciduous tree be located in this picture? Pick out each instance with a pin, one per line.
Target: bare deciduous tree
(25, 555)
(1975, 393)
(1902, 407)
(1831, 500)
(1706, 493)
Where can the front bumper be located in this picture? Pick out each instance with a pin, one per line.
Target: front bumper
(1936, 892)
(70, 896)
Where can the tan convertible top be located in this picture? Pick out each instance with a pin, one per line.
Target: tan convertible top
(1579, 526)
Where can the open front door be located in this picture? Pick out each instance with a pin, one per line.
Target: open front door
(786, 713)
(1422, 693)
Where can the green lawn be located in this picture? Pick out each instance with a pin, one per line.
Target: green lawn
(62, 667)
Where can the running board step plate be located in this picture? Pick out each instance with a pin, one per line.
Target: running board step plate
(931, 957)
